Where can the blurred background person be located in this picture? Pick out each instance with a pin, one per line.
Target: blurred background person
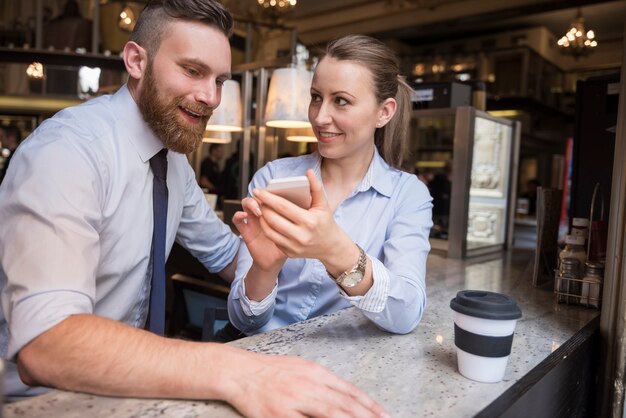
(440, 187)
(210, 172)
(531, 195)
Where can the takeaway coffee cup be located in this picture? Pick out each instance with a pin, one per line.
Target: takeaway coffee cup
(484, 323)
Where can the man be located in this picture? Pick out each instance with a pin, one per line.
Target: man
(77, 229)
(210, 169)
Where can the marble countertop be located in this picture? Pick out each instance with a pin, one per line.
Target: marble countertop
(411, 375)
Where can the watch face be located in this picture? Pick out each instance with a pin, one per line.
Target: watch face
(352, 279)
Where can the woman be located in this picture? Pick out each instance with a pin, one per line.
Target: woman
(364, 241)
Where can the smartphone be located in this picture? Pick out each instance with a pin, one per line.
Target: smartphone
(294, 189)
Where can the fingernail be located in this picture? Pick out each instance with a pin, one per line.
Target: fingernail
(257, 211)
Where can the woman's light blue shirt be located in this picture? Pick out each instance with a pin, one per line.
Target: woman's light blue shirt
(389, 216)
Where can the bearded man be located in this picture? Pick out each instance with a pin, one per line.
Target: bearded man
(91, 206)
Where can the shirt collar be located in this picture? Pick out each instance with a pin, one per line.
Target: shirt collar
(375, 176)
(137, 130)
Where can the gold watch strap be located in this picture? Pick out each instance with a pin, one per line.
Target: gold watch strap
(360, 265)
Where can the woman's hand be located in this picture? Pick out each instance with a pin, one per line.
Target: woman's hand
(266, 255)
(301, 233)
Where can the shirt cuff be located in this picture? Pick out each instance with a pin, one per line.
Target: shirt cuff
(376, 298)
(37, 314)
(252, 307)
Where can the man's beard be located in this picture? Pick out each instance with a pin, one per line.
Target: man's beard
(163, 118)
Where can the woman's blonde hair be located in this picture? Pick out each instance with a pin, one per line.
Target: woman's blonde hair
(384, 66)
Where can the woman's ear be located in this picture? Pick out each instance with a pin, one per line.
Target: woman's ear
(135, 59)
(387, 110)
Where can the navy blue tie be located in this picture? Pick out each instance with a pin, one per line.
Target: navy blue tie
(156, 316)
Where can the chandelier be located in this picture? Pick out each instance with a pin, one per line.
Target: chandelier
(277, 4)
(577, 41)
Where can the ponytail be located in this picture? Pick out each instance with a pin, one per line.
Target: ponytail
(390, 139)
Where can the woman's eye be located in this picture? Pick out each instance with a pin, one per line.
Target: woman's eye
(315, 98)
(341, 101)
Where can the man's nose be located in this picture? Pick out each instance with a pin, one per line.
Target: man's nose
(209, 94)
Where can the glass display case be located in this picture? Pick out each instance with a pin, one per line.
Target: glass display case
(468, 159)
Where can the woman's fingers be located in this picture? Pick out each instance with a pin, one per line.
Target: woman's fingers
(250, 205)
(318, 198)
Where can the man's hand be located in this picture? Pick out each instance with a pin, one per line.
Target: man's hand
(280, 386)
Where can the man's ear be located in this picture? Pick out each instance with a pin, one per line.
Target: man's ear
(135, 59)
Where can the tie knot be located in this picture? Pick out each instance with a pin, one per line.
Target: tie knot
(158, 164)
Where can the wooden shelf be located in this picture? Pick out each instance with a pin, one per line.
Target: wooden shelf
(55, 57)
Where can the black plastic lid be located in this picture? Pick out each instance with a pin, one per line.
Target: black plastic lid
(485, 304)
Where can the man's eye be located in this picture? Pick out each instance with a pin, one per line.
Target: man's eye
(192, 72)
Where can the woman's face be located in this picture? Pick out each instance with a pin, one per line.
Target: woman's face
(343, 111)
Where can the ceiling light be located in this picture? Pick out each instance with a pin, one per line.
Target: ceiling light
(228, 116)
(578, 40)
(288, 98)
(126, 20)
(301, 135)
(35, 70)
(211, 137)
(277, 4)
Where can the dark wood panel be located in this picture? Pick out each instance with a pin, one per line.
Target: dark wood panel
(560, 386)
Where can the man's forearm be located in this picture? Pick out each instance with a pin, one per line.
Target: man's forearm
(88, 353)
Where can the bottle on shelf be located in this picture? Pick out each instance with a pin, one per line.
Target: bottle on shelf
(580, 228)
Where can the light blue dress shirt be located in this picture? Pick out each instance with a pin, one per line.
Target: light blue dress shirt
(389, 216)
(76, 222)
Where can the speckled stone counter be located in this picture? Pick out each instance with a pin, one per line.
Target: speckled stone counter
(411, 375)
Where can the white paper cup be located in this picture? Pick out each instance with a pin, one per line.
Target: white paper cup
(484, 323)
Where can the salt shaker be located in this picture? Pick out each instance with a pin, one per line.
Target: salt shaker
(592, 284)
(568, 280)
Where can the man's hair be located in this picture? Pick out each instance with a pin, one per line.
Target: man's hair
(156, 16)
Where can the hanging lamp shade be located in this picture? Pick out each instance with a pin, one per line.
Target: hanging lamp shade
(301, 135)
(216, 137)
(227, 117)
(288, 98)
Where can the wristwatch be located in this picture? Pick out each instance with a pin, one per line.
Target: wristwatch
(353, 276)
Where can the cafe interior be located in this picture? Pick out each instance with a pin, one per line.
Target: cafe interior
(515, 130)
